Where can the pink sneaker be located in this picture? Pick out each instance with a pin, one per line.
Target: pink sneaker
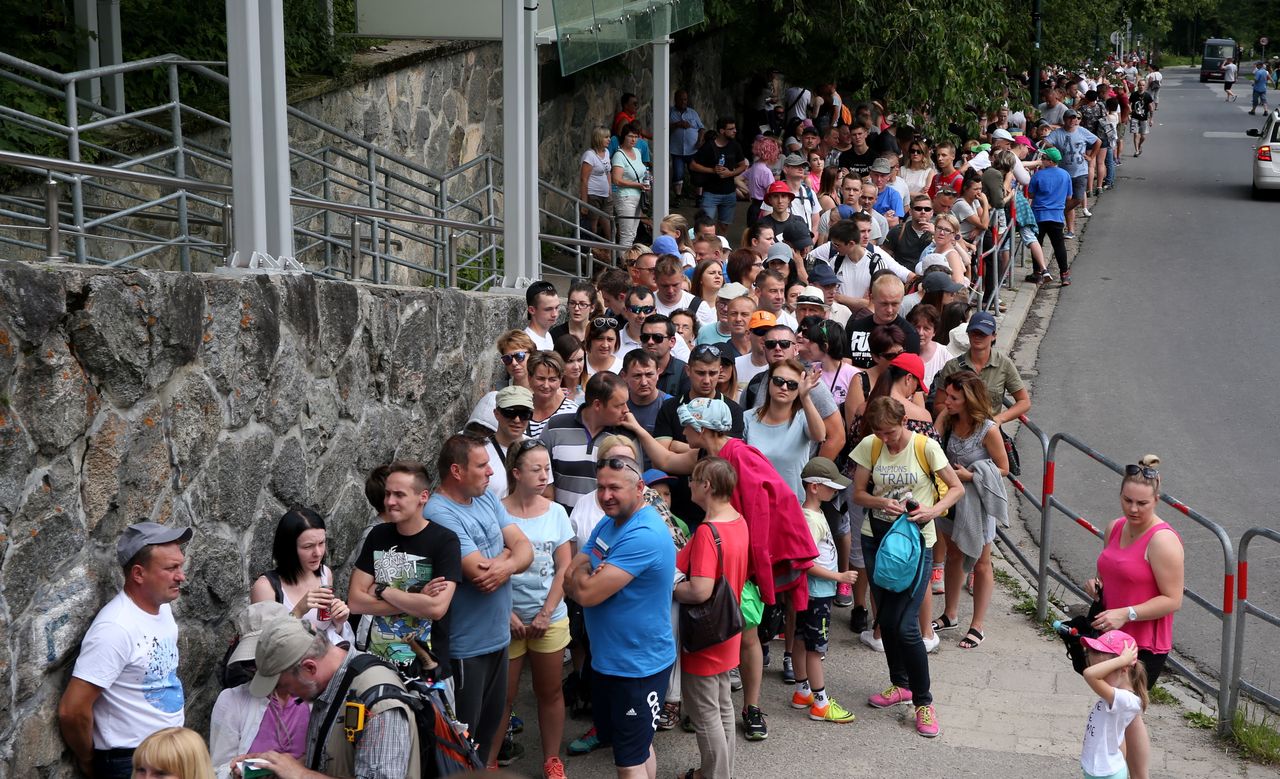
(927, 722)
(890, 697)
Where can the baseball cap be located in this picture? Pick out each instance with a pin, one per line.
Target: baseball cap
(779, 251)
(1113, 642)
(820, 470)
(941, 282)
(250, 624)
(731, 291)
(653, 476)
(982, 322)
(1024, 140)
(281, 645)
(1053, 154)
(780, 187)
(911, 363)
(762, 318)
(982, 147)
(811, 296)
(1071, 113)
(822, 275)
(665, 244)
(141, 534)
(538, 288)
(881, 165)
(1001, 134)
(514, 397)
(795, 161)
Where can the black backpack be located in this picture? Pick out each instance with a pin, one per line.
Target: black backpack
(242, 673)
(445, 747)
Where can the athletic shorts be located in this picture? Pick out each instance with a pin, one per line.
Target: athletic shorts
(626, 713)
(1078, 188)
(1227, 85)
(814, 624)
(1140, 126)
(554, 640)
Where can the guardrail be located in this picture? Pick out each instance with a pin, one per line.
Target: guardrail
(1243, 610)
(1009, 241)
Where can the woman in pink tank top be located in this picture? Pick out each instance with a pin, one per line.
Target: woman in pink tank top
(1140, 573)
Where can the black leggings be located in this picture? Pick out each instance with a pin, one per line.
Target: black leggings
(1154, 664)
(1054, 231)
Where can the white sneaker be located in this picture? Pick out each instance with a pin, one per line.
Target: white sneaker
(869, 638)
(931, 645)
(1087, 212)
(735, 679)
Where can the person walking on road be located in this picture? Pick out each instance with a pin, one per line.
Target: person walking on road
(1229, 70)
(1049, 189)
(1260, 79)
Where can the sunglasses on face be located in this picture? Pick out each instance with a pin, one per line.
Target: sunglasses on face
(618, 464)
(516, 412)
(653, 338)
(784, 343)
(1144, 471)
(889, 355)
(922, 209)
(601, 322)
(646, 310)
(780, 382)
(516, 357)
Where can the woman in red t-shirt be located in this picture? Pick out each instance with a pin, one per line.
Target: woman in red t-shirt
(705, 673)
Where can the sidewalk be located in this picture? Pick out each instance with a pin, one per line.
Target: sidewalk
(1012, 707)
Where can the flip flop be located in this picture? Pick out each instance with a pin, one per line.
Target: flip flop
(944, 623)
(971, 639)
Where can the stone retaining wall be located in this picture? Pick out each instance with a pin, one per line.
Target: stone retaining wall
(212, 401)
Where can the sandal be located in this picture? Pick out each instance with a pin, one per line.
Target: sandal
(971, 639)
(944, 623)
(692, 773)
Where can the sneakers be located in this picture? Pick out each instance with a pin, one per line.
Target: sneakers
(735, 679)
(753, 724)
(588, 742)
(1086, 211)
(939, 585)
(515, 724)
(788, 670)
(868, 637)
(764, 651)
(1066, 278)
(1068, 234)
(801, 701)
(1046, 277)
(670, 716)
(890, 697)
(686, 724)
(510, 751)
(553, 768)
(832, 712)
(1032, 277)
(931, 645)
(927, 722)
(844, 595)
(858, 619)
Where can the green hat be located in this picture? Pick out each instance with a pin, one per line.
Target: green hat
(1053, 154)
(281, 645)
(820, 470)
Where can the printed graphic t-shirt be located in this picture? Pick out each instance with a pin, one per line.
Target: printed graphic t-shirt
(899, 477)
(409, 562)
(133, 657)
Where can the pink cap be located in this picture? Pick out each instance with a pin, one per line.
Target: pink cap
(1024, 140)
(1113, 642)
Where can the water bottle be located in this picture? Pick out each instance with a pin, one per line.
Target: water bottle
(721, 162)
(1064, 629)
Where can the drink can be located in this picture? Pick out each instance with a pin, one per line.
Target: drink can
(322, 612)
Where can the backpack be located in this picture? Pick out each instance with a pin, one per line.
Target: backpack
(444, 745)
(900, 559)
(240, 674)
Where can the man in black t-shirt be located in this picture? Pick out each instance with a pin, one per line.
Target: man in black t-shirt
(907, 240)
(718, 161)
(886, 301)
(860, 155)
(406, 575)
(788, 227)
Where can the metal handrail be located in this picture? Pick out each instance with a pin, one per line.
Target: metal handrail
(34, 163)
(1244, 609)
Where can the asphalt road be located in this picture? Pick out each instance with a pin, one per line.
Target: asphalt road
(1165, 343)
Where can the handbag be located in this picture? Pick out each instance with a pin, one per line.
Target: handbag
(1011, 449)
(715, 620)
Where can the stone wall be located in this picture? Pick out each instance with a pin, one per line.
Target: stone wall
(213, 401)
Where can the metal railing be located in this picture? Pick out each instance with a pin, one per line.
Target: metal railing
(1244, 609)
(1009, 241)
(120, 222)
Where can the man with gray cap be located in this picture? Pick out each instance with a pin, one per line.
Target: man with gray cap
(125, 684)
(296, 661)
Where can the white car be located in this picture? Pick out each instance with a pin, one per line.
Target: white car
(1266, 155)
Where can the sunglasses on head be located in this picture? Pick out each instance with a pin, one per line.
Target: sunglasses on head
(507, 359)
(641, 309)
(1145, 471)
(601, 322)
(710, 349)
(529, 443)
(780, 382)
(782, 343)
(516, 412)
(618, 464)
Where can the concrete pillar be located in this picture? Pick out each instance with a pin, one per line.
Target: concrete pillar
(661, 145)
(110, 52)
(521, 249)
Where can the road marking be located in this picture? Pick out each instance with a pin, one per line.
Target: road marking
(1222, 134)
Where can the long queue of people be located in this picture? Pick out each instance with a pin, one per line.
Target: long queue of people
(688, 467)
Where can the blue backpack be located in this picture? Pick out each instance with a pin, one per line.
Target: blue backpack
(899, 561)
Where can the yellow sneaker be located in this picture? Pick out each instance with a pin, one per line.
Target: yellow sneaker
(832, 712)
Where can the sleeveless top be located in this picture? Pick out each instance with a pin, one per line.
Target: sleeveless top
(970, 449)
(336, 636)
(1127, 580)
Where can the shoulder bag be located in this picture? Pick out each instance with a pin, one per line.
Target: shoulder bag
(715, 620)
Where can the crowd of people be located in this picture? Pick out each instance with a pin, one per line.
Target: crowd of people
(686, 471)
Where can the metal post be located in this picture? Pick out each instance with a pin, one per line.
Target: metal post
(77, 182)
(661, 145)
(1046, 511)
(275, 129)
(1035, 52)
(86, 13)
(179, 163)
(53, 238)
(244, 67)
(353, 274)
(111, 52)
(519, 146)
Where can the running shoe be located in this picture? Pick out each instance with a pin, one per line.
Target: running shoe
(858, 619)
(927, 722)
(939, 584)
(553, 768)
(844, 595)
(891, 697)
(832, 712)
(588, 742)
(510, 751)
(868, 637)
(801, 701)
(515, 724)
(764, 650)
(735, 679)
(754, 725)
(1068, 234)
(931, 645)
(788, 670)
(1086, 211)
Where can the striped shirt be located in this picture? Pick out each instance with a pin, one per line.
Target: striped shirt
(573, 456)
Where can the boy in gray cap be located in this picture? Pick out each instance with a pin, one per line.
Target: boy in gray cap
(125, 684)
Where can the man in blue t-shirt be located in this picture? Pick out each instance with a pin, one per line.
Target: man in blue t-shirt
(623, 578)
(1049, 190)
(493, 548)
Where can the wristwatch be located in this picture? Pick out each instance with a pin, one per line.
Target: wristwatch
(1133, 614)
(379, 589)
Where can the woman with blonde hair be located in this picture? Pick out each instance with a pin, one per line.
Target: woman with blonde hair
(946, 232)
(676, 226)
(594, 187)
(172, 753)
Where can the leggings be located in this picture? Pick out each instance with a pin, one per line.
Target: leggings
(1054, 231)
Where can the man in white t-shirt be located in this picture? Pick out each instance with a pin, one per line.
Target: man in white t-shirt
(544, 309)
(640, 304)
(125, 683)
(672, 296)
(753, 362)
(854, 260)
